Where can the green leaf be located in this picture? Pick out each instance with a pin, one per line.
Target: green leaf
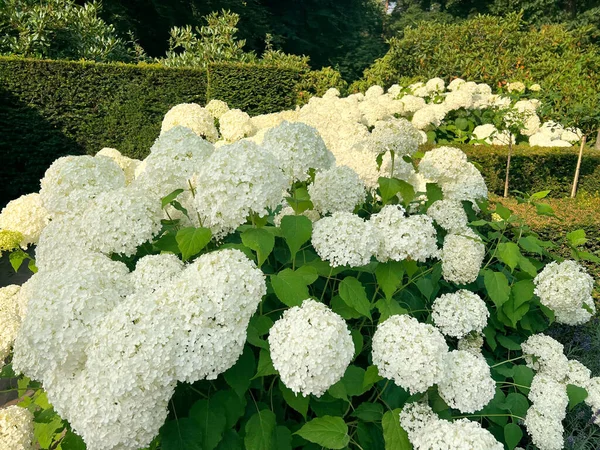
(290, 287)
(182, 434)
(7, 371)
(260, 430)
(522, 377)
(576, 395)
(518, 304)
(259, 240)
(371, 377)
(353, 293)
(517, 404)
(369, 412)
(434, 193)
(211, 420)
(45, 433)
(169, 198)
(296, 231)
(509, 254)
(233, 408)
(508, 342)
(327, 431)
(353, 380)
(231, 441)
(167, 243)
(502, 211)
(265, 365)
(527, 267)
(338, 390)
(394, 435)
(308, 273)
(238, 376)
(388, 307)
(576, 238)
(340, 307)
(300, 200)
(531, 244)
(283, 438)
(388, 187)
(358, 341)
(191, 240)
(426, 287)
(512, 435)
(497, 287)
(16, 258)
(296, 401)
(540, 195)
(71, 441)
(389, 276)
(543, 209)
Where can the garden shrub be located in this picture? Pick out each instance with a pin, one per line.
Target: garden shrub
(497, 50)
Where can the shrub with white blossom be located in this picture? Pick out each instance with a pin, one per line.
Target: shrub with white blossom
(309, 280)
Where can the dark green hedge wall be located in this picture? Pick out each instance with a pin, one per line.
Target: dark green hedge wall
(535, 169)
(54, 108)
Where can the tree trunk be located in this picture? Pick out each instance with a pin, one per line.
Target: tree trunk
(576, 178)
(597, 145)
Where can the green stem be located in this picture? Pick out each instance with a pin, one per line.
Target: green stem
(508, 360)
(326, 283)
(488, 415)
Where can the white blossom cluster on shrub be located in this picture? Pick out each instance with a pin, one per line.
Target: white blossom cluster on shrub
(16, 428)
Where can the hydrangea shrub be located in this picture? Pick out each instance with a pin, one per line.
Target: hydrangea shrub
(208, 303)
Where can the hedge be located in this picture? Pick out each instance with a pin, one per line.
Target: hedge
(535, 169)
(54, 108)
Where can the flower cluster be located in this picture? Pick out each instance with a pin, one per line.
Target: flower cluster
(311, 348)
(337, 189)
(193, 117)
(460, 313)
(16, 428)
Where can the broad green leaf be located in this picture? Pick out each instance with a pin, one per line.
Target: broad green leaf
(300, 200)
(353, 380)
(388, 307)
(283, 438)
(509, 254)
(296, 231)
(231, 441)
(169, 198)
(7, 371)
(576, 395)
(426, 287)
(340, 307)
(71, 441)
(497, 287)
(369, 412)
(259, 326)
(371, 377)
(327, 431)
(338, 390)
(531, 244)
(353, 293)
(233, 407)
(388, 187)
(523, 376)
(394, 435)
(308, 273)
(358, 341)
(576, 238)
(290, 287)
(389, 276)
(210, 417)
(502, 211)
(522, 291)
(260, 430)
(512, 435)
(526, 266)
(543, 209)
(517, 404)
(44, 433)
(259, 240)
(434, 193)
(191, 240)
(182, 434)
(238, 376)
(540, 195)
(167, 243)
(508, 342)
(16, 258)
(297, 402)
(265, 365)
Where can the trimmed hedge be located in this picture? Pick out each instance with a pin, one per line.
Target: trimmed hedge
(534, 169)
(50, 109)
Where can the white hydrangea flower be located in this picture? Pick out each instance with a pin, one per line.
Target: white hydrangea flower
(549, 396)
(236, 181)
(16, 428)
(331, 92)
(459, 313)
(411, 104)
(10, 320)
(545, 355)
(431, 114)
(458, 99)
(435, 85)
(516, 86)
(427, 431)
(311, 348)
(449, 214)
(546, 433)
(455, 84)
(462, 256)
(593, 399)
(402, 237)
(374, 91)
(467, 384)
(394, 90)
(486, 133)
(63, 234)
(175, 156)
(153, 271)
(217, 108)
(345, 239)
(468, 184)
(578, 374)
(442, 164)
(26, 215)
(298, 147)
(289, 211)
(409, 353)
(337, 189)
(121, 220)
(128, 165)
(565, 288)
(396, 135)
(64, 307)
(235, 124)
(373, 111)
(72, 181)
(193, 117)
